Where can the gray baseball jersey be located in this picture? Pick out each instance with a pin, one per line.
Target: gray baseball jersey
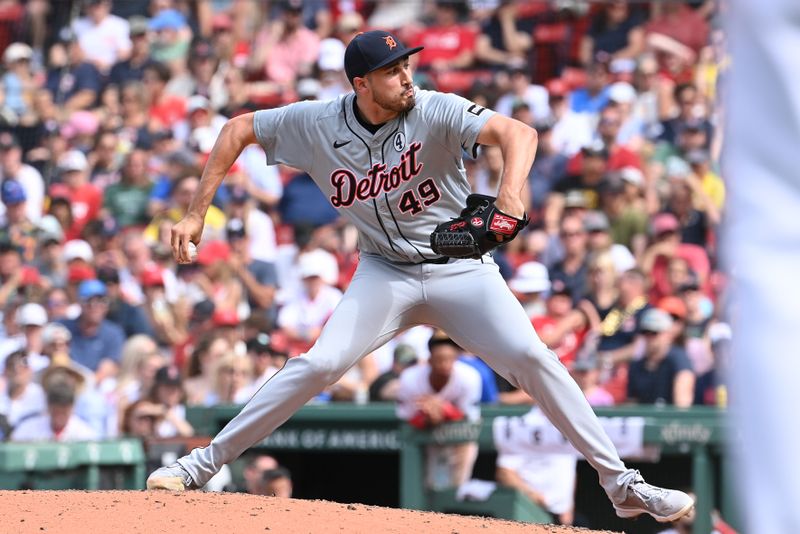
(396, 185)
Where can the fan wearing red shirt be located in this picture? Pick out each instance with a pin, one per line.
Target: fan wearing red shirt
(619, 156)
(166, 109)
(562, 328)
(448, 44)
(85, 198)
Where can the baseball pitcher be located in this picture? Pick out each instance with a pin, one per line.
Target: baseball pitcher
(390, 158)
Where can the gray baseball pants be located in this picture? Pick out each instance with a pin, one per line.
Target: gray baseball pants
(470, 301)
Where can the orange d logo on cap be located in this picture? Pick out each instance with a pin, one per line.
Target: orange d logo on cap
(390, 42)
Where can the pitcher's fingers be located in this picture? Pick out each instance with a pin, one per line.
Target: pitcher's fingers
(174, 243)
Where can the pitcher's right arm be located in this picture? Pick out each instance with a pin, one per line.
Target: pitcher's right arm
(237, 133)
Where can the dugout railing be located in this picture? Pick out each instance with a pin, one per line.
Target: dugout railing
(697, 433)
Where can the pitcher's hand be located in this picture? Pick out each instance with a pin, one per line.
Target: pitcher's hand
(189, 229)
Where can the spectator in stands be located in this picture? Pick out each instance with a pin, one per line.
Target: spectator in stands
(285, 50)
(104, 38)
(448, 43)
(203, 77)
(353, 386)
(441, 390)
(523, 91)
(92, 405)
(16, 226)
(529, 283)
(31, 318)
(131, 69)
(132, 318)
(217, 276)
(586, 372)
(21, 398)
(172, 36)
(86, 199)
(303, 315)
(666, 246)
(162, 315)
(127, 201)
(140, 420)
(506, 38)
(711, 184)
(233, 381)
(258, 227)
(57, 304)
(594, 96)
(695, 211)
(239, 100)
(104, 154)
(183, 189)
(96, 342)
(13, 168)
(608, 129)
(615, 32)
(55, 340)
(602, 291)
(200, 370)
(598, 228)
(169, 394)
(386, 386)
(277, 483)
(677, 32)
(572, 269)
(664, 374)
(618, 329)
(137, 368)
(571, 130)
(621, 199)
(59, 423)
(261, 355)
(561, 327)
(18, 82)
(73, 82)
(593, 160)
(685, 119)
(165, 110)
(548, 167)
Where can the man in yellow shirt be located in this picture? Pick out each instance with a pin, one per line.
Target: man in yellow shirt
(183, 190)
(710, 182)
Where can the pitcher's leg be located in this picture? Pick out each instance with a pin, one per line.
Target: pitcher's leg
(361, 323)
(476, 308)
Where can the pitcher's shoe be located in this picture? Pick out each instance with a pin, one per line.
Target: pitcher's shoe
(664, 505)
(173, 477)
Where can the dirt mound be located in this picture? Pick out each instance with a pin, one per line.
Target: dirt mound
(122, 512)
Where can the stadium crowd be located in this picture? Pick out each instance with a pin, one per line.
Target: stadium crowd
(108, 110)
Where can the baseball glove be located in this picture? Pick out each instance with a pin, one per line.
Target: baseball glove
(480, 228)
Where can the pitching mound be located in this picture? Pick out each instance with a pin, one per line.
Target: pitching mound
(100, 512)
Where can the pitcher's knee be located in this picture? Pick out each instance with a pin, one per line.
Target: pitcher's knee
(324, 370)
(535, 356)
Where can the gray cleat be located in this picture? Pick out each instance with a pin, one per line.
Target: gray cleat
(173, 477)
(664, 505)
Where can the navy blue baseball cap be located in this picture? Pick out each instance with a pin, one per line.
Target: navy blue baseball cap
(372, 50)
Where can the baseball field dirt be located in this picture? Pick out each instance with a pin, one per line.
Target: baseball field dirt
(124, 512)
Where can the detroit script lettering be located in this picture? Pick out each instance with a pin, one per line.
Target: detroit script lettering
(348, 188)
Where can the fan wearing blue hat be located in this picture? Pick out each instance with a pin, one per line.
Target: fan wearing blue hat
(96, 342)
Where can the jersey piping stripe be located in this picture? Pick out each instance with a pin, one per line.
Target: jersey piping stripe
(369, 152)
(386, 198)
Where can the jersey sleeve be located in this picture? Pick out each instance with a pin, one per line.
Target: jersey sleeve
(283, 133)
(456, 121)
